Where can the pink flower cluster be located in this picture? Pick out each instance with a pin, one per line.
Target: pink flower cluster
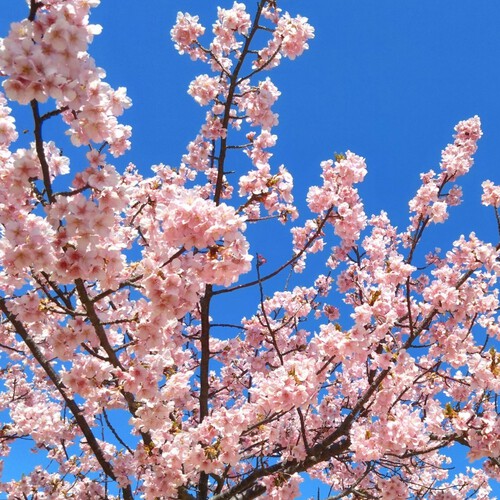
(256, 103)
(8, 133)
(46, 58)
(491, 194)
(339, 199)
(185, 34)
(293, 34)
(229, 23)
(274, 192)
(119, 362)
(290, 38)
(456, 159)
(212, 246)
(431, 202)
(204, 89)
(198, 155)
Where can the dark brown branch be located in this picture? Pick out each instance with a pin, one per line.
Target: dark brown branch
(73, 192)
(34, 6)
(303, 430)
(96, 323)
(70, 403)
(54, 112)
(204, 375)
(248, 488)
(88, 304)
(40, 151)
(266, 319)
(205, 351)
(230, 96)
(112, 429)
(497, 216)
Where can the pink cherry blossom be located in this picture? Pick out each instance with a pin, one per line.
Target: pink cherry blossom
(204, 89)
(491, 194)
(47, 58)
(294, 34)
(186, 33)
(122, 361)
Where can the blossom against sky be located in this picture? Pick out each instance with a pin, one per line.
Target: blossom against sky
(384, 80)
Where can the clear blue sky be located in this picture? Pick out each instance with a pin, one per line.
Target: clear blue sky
(387, 80)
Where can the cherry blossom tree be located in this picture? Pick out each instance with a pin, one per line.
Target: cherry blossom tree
(113, 360)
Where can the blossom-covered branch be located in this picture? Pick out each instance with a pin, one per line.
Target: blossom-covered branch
(119, 353)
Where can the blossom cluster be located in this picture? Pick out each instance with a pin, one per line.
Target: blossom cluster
(431, 201)
(117, 359)
(253, 101)
(338, 204)
(47, 58)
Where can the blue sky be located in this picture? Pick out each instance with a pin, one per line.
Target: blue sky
(387, 80)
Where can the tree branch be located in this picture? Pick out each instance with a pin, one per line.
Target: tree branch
(40, 151)
(70, 403)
